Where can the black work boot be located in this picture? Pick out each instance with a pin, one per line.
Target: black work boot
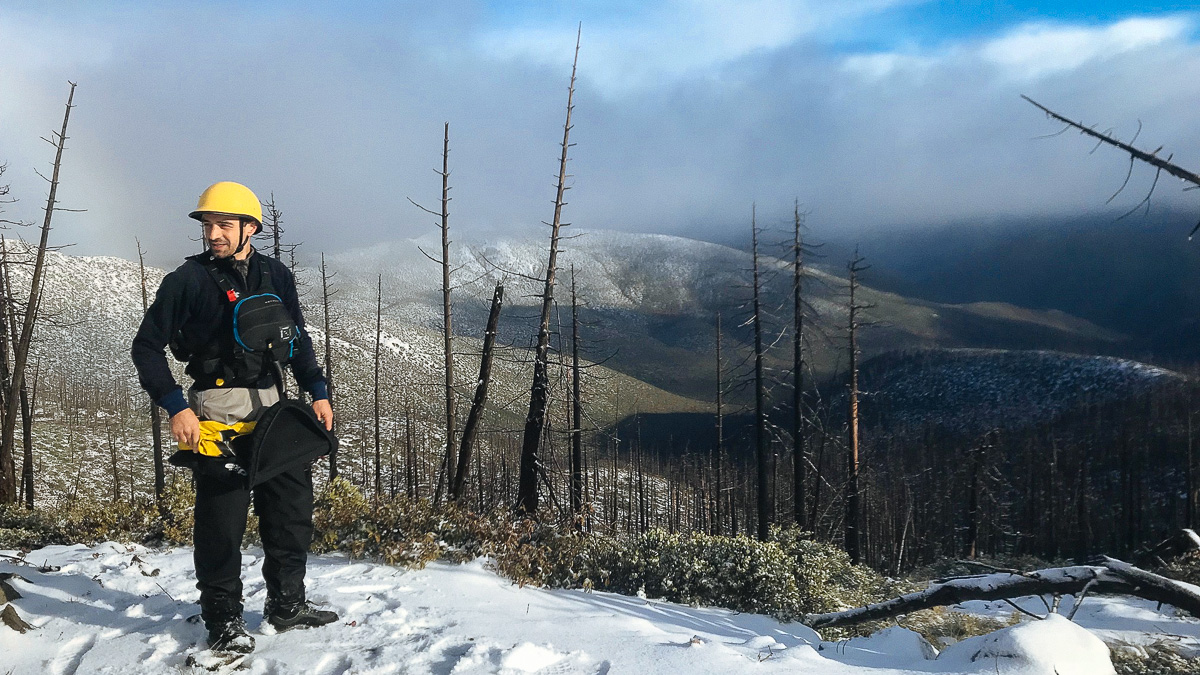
(302, 614)
(230, 636)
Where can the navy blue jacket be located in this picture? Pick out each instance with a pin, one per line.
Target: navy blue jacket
(190, 308)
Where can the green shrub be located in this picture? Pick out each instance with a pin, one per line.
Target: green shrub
(786, 577)
(399, 530)
(22, 529)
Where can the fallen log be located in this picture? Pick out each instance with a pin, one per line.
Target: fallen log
(1110, 577)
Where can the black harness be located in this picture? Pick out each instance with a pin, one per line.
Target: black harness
(257, 335)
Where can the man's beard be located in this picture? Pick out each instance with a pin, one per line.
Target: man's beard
(225, 250)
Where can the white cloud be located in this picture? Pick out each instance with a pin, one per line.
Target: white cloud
(1030, 51)
(677, 39)
(700, 110)
(879, 66)
(1036, 50)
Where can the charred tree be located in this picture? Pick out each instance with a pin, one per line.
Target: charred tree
(760, 407)
(539, 393)
(8, 485)
(855, 267)
(799, 415)
(447, 316)
(576, 412)
(719, 524)
(378, 392)
(471, 426)
(160, 476)
(326, 294)
(273, 220)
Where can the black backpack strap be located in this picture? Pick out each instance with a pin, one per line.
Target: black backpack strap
(223, 283)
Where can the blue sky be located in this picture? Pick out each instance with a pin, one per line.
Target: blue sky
(874, 113)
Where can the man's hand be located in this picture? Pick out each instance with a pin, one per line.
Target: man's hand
(322, 410)
(185, 428)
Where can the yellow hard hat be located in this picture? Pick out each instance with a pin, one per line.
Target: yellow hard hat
(229, 198)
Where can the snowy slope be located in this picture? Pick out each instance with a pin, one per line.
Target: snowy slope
(116, 608)
(648, 299)
(973, 390)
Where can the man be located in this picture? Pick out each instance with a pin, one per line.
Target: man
(193, 313)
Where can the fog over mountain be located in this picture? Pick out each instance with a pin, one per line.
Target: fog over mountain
(871, 113)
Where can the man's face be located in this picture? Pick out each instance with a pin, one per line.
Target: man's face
(221, 233)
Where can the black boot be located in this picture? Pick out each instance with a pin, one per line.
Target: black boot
(302, 614)
(230, 636)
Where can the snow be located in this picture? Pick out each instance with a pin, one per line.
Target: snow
(117, 608)
(1053, 645)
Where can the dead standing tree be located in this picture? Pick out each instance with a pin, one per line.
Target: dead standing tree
(326, 294)
(855, 268)
(471, 426)
(539, 393)
(576, 413)
(9, 330)
(1135, 154)
(799, 416)
(8, 485)
(160, 480)
(447, 473)
(760, 413)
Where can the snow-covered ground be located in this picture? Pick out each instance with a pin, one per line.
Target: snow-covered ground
(115, 608)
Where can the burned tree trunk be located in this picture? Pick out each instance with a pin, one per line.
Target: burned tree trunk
(273, 219)
(852, 490)
(160, 476)
(576, 412)
(471, 426)
(719, 525)
(325, 295)
(8, 485)
(539, 393)
(760, 411)
(377, 401)
(447, 316)
(799, 429)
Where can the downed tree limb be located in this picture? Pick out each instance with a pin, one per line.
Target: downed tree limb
(1111, 577)
(1150, 158)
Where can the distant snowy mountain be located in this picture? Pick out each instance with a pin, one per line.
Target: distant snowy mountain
(650, 302)
(973, 390)
(648, 306)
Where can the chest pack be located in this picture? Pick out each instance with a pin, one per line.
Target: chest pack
(257, 335)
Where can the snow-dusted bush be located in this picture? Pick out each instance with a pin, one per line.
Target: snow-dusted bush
(399, 530)
(21, 529)
(786, 577)
(826, 580)
(1159, 658)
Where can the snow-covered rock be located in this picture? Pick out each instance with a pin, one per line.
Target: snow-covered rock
(1053, 646)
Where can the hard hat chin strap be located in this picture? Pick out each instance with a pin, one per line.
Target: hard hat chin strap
(242, 238)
